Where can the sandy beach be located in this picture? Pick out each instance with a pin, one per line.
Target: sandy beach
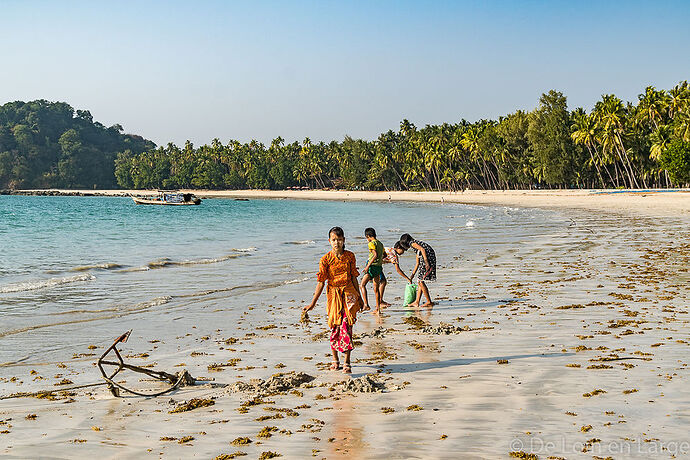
(661, 202)
(568, 346)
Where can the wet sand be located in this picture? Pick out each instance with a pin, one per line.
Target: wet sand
(570, 346)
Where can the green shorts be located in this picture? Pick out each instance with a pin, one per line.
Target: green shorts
(375, 270)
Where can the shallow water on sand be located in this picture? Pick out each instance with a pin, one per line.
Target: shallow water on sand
(76, 270)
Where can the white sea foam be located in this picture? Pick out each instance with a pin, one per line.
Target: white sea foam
(469, 223)
(297, 280)
(250, 249)
(300, 242)
(197, 261)
(41, 284)
(165, 262)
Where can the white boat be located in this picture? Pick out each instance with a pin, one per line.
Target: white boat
(170, 199)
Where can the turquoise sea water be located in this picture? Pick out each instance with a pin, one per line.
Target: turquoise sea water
(79, 270)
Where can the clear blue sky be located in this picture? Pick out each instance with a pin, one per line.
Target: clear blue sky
(172, 71)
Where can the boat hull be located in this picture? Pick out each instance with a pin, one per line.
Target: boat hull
(159, 202)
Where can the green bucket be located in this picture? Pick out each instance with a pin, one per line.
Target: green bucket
(410, 294)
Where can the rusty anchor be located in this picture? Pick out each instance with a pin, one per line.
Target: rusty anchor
(182, 378)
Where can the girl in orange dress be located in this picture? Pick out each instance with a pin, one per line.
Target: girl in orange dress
(339, 268)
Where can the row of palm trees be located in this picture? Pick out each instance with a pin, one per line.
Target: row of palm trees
(614, 145)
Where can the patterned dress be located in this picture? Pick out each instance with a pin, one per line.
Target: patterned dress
(426, 273)
(343, 298)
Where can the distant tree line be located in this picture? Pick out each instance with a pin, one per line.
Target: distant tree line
(47, 145)
(614, 145)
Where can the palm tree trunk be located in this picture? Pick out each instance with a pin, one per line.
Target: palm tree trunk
(615, 170)
(596, 165)
(624, 154)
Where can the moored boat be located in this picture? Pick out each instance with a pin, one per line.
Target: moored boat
(171, 199)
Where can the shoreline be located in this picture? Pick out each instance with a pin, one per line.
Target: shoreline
(662, 202)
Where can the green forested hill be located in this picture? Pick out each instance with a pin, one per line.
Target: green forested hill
(48, 144)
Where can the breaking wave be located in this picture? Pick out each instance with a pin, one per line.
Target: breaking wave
(105, 266)
(165, 262)
(250, 249)
(295, 281)
(300, 242)
(41, 284)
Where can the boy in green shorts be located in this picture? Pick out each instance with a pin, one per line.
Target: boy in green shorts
(373, 270)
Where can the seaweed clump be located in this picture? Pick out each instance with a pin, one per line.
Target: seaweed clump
(239, 453)
(192, 404)
(266, 432)
(241, 441)
(269, 454)
(521, 454)
(415, 322)
(596, 392)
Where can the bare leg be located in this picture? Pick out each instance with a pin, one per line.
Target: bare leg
(363, 291)
(424, 290)
(382, 289)
(335, 365)
(346, 367)
(377, 294)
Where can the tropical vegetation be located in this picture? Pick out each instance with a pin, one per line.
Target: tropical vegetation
(614, 145)
(49, 144)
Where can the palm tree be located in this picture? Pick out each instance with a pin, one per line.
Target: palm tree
(585, 133)
(471, 141)
(610, 115)
(679, 97)
(652, 107)
(679, 110)
(660, 139)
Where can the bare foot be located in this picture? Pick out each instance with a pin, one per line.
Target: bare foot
(366, 307)
(385, 304)
(413, 304)
(427, 304)
(376, 312)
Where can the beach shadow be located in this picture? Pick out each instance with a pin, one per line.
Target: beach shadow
(399, 368)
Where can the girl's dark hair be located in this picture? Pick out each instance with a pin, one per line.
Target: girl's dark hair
(398, 245)
(338, 232)
(406, 240)
(370, 232)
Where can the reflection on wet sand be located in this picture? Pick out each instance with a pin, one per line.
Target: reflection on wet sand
(347, 436)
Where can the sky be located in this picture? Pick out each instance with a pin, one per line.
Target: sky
(175, 71)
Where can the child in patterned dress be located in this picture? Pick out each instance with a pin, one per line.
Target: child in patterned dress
(339, 268)
(426, 263)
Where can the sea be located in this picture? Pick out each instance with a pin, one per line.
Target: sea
(79, 271)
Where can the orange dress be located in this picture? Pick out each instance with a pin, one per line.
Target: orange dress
(342, 297)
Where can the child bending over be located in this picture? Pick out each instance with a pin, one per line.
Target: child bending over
(426, 263)
(339, 268)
